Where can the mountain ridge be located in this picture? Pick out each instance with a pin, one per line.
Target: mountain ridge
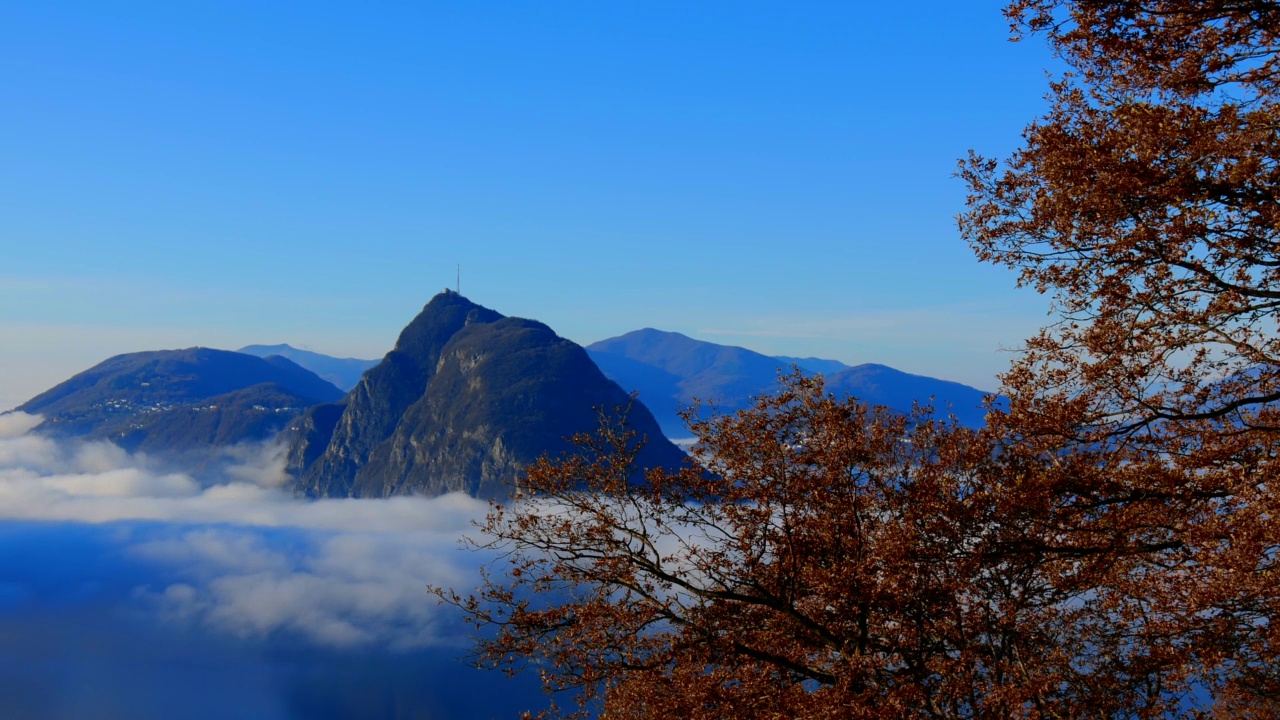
(343, 373)
(179, 400)
(671, 371)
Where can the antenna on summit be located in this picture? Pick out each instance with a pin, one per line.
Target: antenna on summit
(458, 289)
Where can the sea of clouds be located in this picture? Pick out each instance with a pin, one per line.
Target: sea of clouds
(132, 587)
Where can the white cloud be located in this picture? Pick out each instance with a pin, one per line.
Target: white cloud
(121, 482)
(242, 555)
(17, 424)
(340, 589)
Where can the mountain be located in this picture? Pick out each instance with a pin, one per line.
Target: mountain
(342, 372)
(670, 371)
(466, 400)
(180, 400)
(883, 385)
(812, 364)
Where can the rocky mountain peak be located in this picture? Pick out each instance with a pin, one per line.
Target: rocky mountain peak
(466, 400)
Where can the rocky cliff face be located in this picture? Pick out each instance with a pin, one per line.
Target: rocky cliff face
(466, 400)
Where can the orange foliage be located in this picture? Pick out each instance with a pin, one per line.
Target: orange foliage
(1106, 547)
(1147, 202)
(822, 559)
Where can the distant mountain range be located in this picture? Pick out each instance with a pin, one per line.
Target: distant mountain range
(670, 371)
(466, 400)
(342, 372)
(180, 400)
(811, 364)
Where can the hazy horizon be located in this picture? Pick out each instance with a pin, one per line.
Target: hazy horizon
(15, 390)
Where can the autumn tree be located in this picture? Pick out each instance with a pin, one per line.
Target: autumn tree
(817, 559)
(1106, 547)
(1146, 203)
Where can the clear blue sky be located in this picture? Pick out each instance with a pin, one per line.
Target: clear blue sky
(773, 175)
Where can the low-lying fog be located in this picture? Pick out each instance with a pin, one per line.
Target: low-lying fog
(133, 589)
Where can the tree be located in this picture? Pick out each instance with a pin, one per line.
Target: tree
(1147, 203)
(1106, 547)
(818, 559)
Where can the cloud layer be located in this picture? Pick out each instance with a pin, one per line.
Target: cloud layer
(160, 569)
(250, 558)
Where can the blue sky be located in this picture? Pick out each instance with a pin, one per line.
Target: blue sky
(769, 175)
